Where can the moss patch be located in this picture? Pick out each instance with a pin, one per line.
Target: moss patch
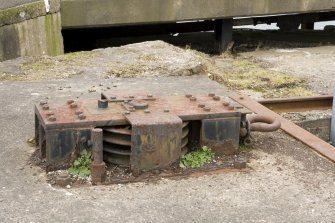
(245, 74)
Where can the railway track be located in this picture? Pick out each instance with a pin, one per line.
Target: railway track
(270, 107)
(298, 104)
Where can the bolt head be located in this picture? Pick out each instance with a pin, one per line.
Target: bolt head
(131, 96)
(146, 111)
(43, 103)
(69, 101)
(188, 95)
(216, 98)
(49, 113)
(127, 112)
(230, 108)
(201, 105)
(207, 109)
(82, 116)
(211, 94)
(113, 97)
(149, 95)
(78, 112)
(166, 110)
(225, 103)
(52, 118)
(241, 97)
(45, 107)
(73, 105)
(193, 98)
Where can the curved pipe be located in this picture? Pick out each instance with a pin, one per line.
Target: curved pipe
(262, 123)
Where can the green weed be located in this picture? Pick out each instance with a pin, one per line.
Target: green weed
(197, 158)
(82, 165)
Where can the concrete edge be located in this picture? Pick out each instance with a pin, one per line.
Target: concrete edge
(27, 11)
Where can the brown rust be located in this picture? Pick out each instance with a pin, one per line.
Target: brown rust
(297, 132)
(298, 104)
(263, 123)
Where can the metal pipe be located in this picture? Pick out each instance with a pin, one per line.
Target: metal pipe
(97, 146)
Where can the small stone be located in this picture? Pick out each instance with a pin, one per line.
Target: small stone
(68, 186)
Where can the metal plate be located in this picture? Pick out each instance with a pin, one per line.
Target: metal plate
(156, 140)
(221, 135)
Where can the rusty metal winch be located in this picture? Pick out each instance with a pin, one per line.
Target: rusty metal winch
(139, 130)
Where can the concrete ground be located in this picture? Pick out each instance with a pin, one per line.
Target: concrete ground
(287, 181)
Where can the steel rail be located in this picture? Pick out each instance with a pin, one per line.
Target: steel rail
(292, 129)
(298, 104)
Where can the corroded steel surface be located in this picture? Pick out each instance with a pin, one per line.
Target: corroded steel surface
(263, 123)
(297, 132)
(139, 130)
(298, 104)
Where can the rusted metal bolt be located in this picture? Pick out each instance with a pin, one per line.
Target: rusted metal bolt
(45, 107)
(241, 97)
(188, 95)
(225, 103)
(43, 103)
(216, 98)
(49, 113)
(207, 109)
(127, 112)
(113, 97)
(211, 94)
(149, 96)
(193, 98)
(69, 101)
(201, 105)
(73, 105)
(102, 103)
(146, 111)
(231, 108)
(131, 107)
(78, 112)
(131, 96)
(81, 116)
(166, 110)
(52, 118)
